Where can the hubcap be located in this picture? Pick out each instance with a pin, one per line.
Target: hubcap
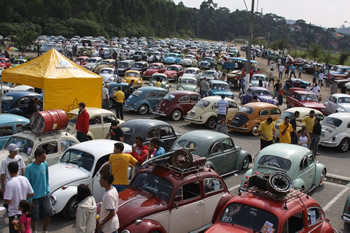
(211, 123)
(345, 146)
(245, 163)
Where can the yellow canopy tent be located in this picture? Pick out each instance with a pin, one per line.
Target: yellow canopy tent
(64, 82)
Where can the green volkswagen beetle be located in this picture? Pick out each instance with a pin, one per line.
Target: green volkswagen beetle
(297, 161)
(222, 154)
(187, 83)
(346, 212)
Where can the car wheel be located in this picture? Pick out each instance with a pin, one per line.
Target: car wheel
(211, 123)
(344, 145)
(143, 109)
(255, 131)
(245, 163)
(323, 176)
(70, 210)
(176, 115)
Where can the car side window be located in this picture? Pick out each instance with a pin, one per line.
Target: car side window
(108, 119)
(294, 223)
(275, 111)
(50, 147)
(189, 191)
(184, 99)
(264, 112)
(18, 128)
(314, 215)
(153, 133)
(166, 132)
(215, 148)
(212, 185)
(310, 159)
(232, 104)
(6, 130)
(227, 144)
(304, 163)
(65, 144)
(96, 120)
(100, 162)
(151, 94)
(195, 98)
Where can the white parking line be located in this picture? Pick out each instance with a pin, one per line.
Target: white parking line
(331, 202)
(234, 187)
(334, 184)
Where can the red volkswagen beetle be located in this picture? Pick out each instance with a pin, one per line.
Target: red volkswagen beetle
(305, 99)
(176, 104)
(153, 68)
(173, 72)
(5, 63)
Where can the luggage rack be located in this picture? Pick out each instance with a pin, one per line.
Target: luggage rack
(180, 171)
(28, 129)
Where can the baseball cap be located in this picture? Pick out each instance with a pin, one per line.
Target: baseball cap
(13, 147)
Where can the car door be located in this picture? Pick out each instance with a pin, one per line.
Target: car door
(215, 155)
(187, 213)
(185, 103)
(213, 191)
(229, 154)
(292, 100)
(194, 101)
(97, 190)
(315, 218)
(52, 152)
(307, 171)
(264, 114)
(152, 98)
(232, 109)
(95, 127)
(167, 136)
(295, 223)
(107, 121)
(23, 104)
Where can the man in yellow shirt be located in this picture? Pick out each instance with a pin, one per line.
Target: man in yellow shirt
(267, 132)
(285, 131)
(120, 162)
(119, 98)
(158, 83)
(309, 121)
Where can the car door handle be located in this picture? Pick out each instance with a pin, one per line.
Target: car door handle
(200, 203)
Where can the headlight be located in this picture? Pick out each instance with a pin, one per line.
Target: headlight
(53, 200)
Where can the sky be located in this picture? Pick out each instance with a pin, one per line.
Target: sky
(325, 13)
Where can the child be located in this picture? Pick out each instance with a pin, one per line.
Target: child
(23, 223)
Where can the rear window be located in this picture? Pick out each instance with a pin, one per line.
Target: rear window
(137, 93)
(287, 114)
(275, 162)
(246, 109)
(332, 121)
(203, 103)
(169, 97)
(128, 130)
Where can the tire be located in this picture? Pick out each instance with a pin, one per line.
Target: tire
(176, 115)
(143, 109)
(245, 163)
(69, 211)
(344, 145)
(255, 131)
(211, 123)
(279, 183)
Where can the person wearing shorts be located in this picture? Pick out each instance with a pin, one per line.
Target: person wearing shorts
(38, 175)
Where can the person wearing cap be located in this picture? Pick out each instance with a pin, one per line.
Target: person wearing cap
(115, 132)
(267, 132)
(12, 157)
(82, 125)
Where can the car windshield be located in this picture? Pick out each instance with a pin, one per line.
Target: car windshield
(18, 62)
(79, 158)
(132, 74)
(262, 92)
(154, 184)
(257, 78)
(172, 68)
(203, 103)
(154, 67)
(123, 65)
(332, 121)
(25, 145)
(308, 97)
(106, 72)
(249, 217)
(92, 60)
(107, 62)
(128, 130)
(246, 109)
(287, 114)
(343, 100)
(138, 65)
(188, 81)
(221, 87)
(169, 97)
(188, 57)
(275, 162)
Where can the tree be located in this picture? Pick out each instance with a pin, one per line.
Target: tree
(315, 51)
(342, 58)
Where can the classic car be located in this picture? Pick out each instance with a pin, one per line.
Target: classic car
(5, 63)
(144, 99)
(172, 58)
(294, 211)
(249, 117)
(336, 131)
(162, 78)
(233, 78)
(18, 62)
(305, 99)
(219, 88)
(206, 111)
(80, 164)
(207, 63)
(176, 104)
(133, 75)
(99, 123)
(174, 72)
(162, 199)
(189, 60)
(194, 71)
(340, 70)
(139, 56)
(302, 83)
(55, 143)
(149, 129)
(113, 87)
(140, 66)
(338, 103)
(23, 88)
(221, 152)
(155, 57)
(261, 93)
(346, 211)
(16, 102)
(188, 83)
(210, 74)
(303, 112)
(94, 62)
(124, 66)
(254, 81)
(298, 162)
(153, 68)
(106, 63)
(9, 125)
(82, 60)
(108, 74)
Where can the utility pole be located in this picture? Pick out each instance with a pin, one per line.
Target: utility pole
(251, 30)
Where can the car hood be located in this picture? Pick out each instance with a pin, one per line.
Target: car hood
(196, 111)
(135, 204)
(267, 99)
(170, 72)
(151, 70)
(345, 106)
(311, 104)
(63, 174)
(219, 93)
(91, 64)
(227, 228)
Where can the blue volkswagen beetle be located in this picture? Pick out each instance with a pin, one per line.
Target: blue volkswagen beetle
(172, 58)
(16, 102)
(144, 99)
(219, 87)
(9, 125)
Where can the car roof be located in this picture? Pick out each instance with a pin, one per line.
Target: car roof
(183, 92)
(203, 137)
(22, 93)
(258, 88)
(341, 115)
(9, 118)
(337, 95)
(302, 109)
(217, 81)
(92, 111)
(304, 92)
(52, 134)
(151, 89)
(143, 123)
(260, 105)
(284, 150)
(157, 63)
(99, 147)
(133, 71)
(213, 98)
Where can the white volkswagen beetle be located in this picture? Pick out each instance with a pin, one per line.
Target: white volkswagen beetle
(338, 103)
(336, 131)
(80, 164)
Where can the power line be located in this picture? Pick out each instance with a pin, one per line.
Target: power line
(245, 5)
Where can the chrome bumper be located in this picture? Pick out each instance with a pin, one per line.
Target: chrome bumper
(159, 113)
(192, 120)
(346, 218)
(328, 143)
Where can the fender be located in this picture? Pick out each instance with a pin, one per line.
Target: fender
(224, 199)
(240, 158)
(139, 103)
(298, 183)
(15, 111)
(248, 173)
(144, 225)
(319, 168)
(62, 196)
(340, 136)
(207, 115)
(210, 164)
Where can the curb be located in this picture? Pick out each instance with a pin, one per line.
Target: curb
(338, 177)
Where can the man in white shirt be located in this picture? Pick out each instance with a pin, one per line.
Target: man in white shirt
(280, 72)
(12, 157)
(222, 106)
(315, 89)
(105, 96)
(320, 79)
(17, 188)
